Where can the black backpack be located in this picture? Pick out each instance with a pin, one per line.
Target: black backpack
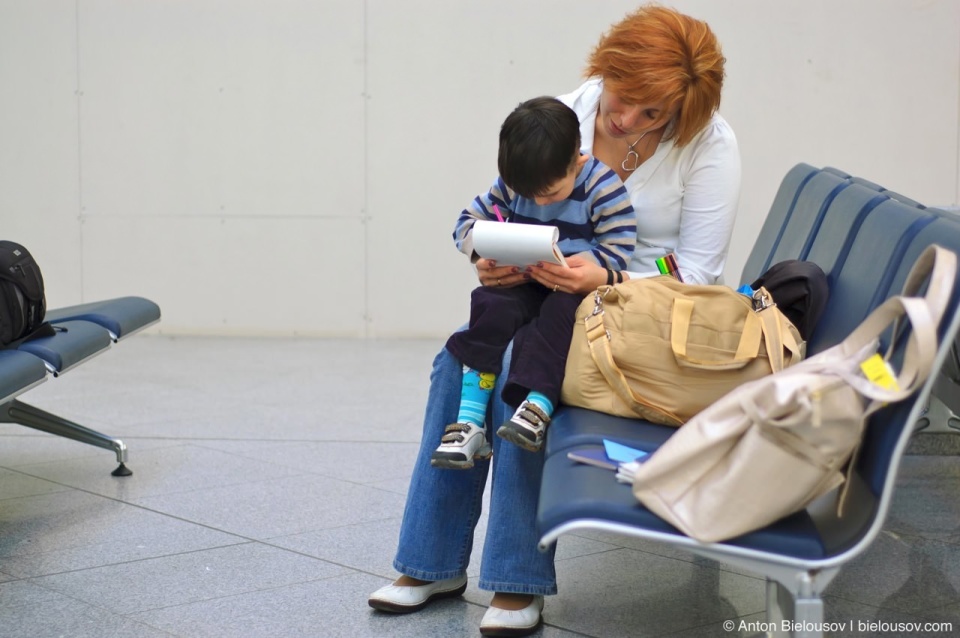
(800, 290)
(23, 305)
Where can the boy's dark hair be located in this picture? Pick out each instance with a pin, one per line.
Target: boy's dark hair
(539, 142)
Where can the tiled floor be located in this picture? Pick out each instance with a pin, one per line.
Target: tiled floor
(269, 481)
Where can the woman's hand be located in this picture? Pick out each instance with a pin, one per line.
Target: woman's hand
(491, 274)
(581, 276)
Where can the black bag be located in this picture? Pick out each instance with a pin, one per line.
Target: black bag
(23, 305)
(800, 290)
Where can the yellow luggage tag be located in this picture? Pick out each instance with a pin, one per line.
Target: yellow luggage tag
(878, 371)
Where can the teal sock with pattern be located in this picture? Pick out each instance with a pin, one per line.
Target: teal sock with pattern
(475, 396)
(541, 401)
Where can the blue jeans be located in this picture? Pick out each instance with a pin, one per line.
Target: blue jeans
(443, 505)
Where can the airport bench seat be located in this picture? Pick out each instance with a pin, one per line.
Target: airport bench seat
(81, 332)
(866, 239)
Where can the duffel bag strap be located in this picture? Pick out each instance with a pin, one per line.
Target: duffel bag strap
(598, 338)
(747, 349)
(776, 332)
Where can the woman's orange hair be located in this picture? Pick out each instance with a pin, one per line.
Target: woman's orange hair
(658, 55)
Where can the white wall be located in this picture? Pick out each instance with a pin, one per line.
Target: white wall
(295, 167)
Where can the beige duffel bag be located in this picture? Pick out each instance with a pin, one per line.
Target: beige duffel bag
(663, 350)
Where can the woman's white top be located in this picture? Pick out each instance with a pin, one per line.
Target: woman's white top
(685, 198)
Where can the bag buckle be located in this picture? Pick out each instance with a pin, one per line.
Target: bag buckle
(762, 300)
(597, 303)
(598, 309)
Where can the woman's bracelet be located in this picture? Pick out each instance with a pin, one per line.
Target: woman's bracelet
(614, 277)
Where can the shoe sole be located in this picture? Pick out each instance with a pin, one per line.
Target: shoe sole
(516, 437)
(451, 464)
(454, 461)
(395, 608)
(511, 631)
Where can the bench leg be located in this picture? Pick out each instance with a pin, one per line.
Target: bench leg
(944, 404)
(797, 613)
(14, 411)
(941, 418)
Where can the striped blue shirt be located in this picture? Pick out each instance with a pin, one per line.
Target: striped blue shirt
(597, 221)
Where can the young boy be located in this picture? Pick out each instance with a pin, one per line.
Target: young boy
(544, 179)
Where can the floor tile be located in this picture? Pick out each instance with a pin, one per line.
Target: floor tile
(367, 547)
(355, 461)
(30, 447)
(22, 592)
(16, 485)
(909, 574)
(925, 501)
(189, 577)
(30, 611)
(194, 385)
(72, 530)
(303, 421)
(398, 485)
(279, 507)
(571, 546)
(947, 614)
(168, 470)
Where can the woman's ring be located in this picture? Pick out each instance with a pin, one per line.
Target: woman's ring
(556, 287)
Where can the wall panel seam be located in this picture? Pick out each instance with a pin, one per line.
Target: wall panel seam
(367, 319)
(78, 95)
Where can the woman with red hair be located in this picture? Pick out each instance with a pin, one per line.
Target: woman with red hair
(649, 111)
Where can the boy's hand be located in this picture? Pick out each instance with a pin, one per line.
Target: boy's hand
(582, 275)
(503, 276)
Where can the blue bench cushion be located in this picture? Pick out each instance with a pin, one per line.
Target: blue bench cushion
(808, 212)
(573, 491)
(19, 371)
(575, 427)
(122, 316)
(771, 231)
(828, 246)
(74, 342)
(863, 275)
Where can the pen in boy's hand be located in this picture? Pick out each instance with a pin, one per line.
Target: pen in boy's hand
(496, 210)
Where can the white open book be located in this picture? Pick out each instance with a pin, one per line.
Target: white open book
(511, 244)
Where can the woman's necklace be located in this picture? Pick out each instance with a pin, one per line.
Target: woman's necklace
(632, 156)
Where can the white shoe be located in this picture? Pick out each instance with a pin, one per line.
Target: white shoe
(505, 622)
(401, 599)
(526, 427)
(461, 443)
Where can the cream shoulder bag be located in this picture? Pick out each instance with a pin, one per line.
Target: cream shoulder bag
(770, 447)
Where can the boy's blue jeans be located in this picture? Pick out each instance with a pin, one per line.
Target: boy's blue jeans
(443, 505)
